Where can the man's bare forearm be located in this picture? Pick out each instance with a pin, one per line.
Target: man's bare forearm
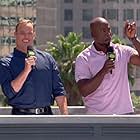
(87, 86)
(62, 104)
(19, 81)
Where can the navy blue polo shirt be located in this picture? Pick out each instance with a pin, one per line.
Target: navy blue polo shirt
(42, 85)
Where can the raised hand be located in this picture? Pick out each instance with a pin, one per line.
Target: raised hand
(130, 30)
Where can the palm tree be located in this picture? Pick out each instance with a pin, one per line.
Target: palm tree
(65, 52)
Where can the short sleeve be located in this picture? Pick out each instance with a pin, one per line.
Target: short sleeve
(129, 51)
(82, 69)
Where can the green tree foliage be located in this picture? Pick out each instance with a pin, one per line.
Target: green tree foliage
(3, 99)
(135, 100)
(65, 52)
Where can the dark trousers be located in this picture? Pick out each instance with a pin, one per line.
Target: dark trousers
(19, 111)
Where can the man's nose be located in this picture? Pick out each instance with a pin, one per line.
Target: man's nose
(26, 34)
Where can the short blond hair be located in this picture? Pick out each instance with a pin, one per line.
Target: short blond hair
(22, 20)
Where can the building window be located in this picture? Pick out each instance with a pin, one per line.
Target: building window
(87, 1)
(128, 14)
(68, 29)
(104, 1)
(117, 1)
(111, 14)
(3, 3)
(126, 1)
(86, 33)
(87, 14)
(138, 14)
(68, 14)
(138, 30)
(17, 2)
(137, 72)
(7, 40)
(68, 1)
(114, 30)
(13, 21)
(4, 21)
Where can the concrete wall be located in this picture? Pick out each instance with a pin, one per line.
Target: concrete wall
(68, 127)
(71, 127)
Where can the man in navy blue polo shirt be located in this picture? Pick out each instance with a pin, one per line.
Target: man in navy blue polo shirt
(31, 83)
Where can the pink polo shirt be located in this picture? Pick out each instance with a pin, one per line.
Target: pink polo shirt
(113, 94)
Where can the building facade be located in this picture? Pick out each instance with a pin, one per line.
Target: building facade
(63, 16)
(10, 12)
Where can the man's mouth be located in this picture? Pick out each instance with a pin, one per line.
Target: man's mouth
(25, 40)
(108, 40)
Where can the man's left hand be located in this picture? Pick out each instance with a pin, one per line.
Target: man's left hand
(130, 29)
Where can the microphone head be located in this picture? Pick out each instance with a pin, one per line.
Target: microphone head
(30, 51)
(110, 53)
(110, 49)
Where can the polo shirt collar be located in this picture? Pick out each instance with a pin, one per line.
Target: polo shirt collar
(95, 51)
(99, 52)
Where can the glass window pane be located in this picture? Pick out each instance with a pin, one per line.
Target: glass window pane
(126, 1)
(138, 31)
(87, 14)
(87, 1)
(4, 2)
(68, 29)
(128, 14)
(68, 14)
(114, 30)
(4, 21)
(113, 1)
(138, 14)
(111, 14)
(12, 21)
(86, 32)
(68, 1)
(104, 1)
(12, 3)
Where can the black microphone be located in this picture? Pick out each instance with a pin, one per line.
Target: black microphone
(30, 52)
(111, 54)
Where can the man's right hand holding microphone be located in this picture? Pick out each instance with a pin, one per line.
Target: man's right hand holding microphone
(110, 62)
(30, 59)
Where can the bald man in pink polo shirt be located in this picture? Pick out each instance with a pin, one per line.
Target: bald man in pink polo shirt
(103, 82)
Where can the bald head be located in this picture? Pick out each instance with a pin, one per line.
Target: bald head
(99, 20)
(96, 24)
(100, 31)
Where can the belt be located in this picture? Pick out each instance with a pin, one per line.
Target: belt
(41, 110)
